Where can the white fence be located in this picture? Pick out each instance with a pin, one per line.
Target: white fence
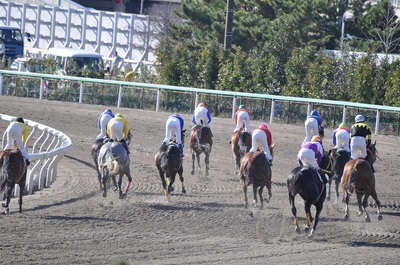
(46, 146)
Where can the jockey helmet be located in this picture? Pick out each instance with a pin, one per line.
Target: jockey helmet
(201, 104)
(359, 118)
(108, 110)
(314, 113)
(19, 119)
(343, 126)
(242, 107)
(118, 115)
(316, 138)
(263, 126)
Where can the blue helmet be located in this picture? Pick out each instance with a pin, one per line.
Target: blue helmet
(314, 113)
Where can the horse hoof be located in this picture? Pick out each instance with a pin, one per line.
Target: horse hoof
(359, 213)
(380, 217)
(171, 189)
(114, 188)
(246, 205)
(207, 174)
(192, 172)
(104, 195)
(346, 217)
(266, 200)
(367, 219)
(184, 191)
(122, 196)
(328, 198)
(311, 234)
(297, 229)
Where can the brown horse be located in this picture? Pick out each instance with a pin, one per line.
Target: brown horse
(200, 142)
(241, 144)
(12, 171)
(169, 163)
(358, 178)
(305, 181)
(255, 169)
(339, 159)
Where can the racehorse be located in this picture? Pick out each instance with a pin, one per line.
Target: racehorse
(95, 154)
(241, 144)
(359, 178)
(169, 163)
(305, 181)
(339, 159)
(200, 142)
(114, 160)
(255, 169)
(12, 171)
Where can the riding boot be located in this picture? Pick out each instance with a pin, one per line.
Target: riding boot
(180, 146)
(27, 162)
(125, 146)
(372, 168)
(322, 176)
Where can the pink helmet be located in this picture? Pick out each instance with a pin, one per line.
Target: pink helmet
(263, 126)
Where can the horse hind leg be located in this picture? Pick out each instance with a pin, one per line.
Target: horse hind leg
(129, 184)
(21, 193)
(316, 219)
(260, 191)
(180, 173)
(294, 213)
(193, 160)
(364, 205)
(207, 162)
(7, 199)
(246, 202)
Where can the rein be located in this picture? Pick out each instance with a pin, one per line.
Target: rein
(329, 166)
(319, 196)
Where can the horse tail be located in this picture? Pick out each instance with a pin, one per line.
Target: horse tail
(114, 167)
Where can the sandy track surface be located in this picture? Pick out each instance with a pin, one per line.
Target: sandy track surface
(71, 223)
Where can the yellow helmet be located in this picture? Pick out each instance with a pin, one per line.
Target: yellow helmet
(201, 104)
(118, 115)
(343, 125)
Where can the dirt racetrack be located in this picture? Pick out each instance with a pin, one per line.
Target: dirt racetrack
(71, 223)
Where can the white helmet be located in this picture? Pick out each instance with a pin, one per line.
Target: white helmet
(359, 118)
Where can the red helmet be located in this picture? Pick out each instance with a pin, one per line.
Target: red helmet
(201, 104)
(316, 138)
(263, 126)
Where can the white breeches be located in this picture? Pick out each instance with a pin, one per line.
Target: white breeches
(259, 141)
(14, 139)
(200, 114)
(343, 140)
(358, 147)
(116, 130)
(173, 126)
(103, 124)
(311, 126)
(243, 117)
(307, 157)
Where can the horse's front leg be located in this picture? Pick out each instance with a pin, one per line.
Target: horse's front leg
(170, 182)
(198, 162)
(316, 219)
(309, 219)
(193, 158)
(121, 193)
(246, 202)
(374, 196)
(268, 185)
(128, 185)
(114, 183)
(337, 182)
(364, 207)
(346, 199)
(180, 173)
(328, 197)
(21, 193)
(164, 183)
(260, 191)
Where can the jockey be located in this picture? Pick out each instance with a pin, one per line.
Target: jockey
(201, 115)
(17, 133)
(312, 125)
(360, 138)
(242, 115)
(311, 154)
(262, 140)
(175, 125)
(118, 130)
(102, 122)
(341, 137)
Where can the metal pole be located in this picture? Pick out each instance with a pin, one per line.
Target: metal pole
(342, 35)
(228, 24)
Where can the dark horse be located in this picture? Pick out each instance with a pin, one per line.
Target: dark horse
(200, 142)
(95, 154)
(304, 180)
(12, 171)
(241, 144)
(359, 178)
(114, 160)
(339, 158)
(169, 163)
(255, 169)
